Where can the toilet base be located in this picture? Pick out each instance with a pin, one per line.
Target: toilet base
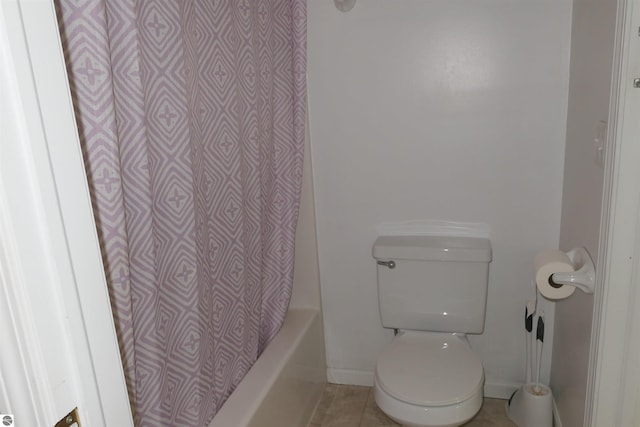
(410, 415)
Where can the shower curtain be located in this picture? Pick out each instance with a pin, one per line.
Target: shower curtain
(191, 117)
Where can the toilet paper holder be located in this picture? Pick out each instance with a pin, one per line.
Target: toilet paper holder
(584, 276)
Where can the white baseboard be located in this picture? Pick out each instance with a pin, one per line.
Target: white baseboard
(350, 377)
(497, 390)
(365, 378)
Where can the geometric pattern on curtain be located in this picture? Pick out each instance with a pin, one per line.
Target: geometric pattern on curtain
(191, 117)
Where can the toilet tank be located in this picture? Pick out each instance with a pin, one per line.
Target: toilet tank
(437, 283)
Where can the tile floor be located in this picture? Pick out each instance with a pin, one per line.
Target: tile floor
(354, 406)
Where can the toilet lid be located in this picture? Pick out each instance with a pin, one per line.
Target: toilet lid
(429, 369)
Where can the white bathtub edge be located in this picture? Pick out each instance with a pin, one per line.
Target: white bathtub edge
(247, 399)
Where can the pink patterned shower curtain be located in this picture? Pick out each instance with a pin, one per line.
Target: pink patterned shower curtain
(191, 116)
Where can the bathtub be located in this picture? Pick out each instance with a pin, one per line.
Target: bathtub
(286, 382)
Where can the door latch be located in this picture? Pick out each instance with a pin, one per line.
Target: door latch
(71, 419)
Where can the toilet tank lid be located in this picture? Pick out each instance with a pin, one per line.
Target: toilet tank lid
(432, 248)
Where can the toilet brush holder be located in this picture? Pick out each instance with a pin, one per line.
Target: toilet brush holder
(531, 406)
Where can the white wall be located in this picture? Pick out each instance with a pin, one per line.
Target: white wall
(306, 280)
(443, 109)
(592, 49)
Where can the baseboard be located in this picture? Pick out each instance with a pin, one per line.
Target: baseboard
(365, 378)
(497, 390)
(350, 377)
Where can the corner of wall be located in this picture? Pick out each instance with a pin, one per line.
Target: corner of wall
(306, 275)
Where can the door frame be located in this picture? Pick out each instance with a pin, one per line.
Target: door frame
(613, 396)
(55, 307)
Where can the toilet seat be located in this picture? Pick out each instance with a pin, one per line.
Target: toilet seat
(429, 369)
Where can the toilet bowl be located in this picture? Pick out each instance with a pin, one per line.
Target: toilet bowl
(429, 379)
(433, 291)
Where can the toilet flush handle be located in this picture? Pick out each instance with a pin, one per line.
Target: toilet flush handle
(390, 264)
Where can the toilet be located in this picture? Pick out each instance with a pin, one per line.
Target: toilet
(432, 290)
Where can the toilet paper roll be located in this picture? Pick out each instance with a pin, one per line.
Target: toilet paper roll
(546, 263)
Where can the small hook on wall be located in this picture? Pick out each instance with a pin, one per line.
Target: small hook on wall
(344, 5)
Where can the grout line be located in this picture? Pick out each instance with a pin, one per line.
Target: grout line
(333, 398)
(364, 408)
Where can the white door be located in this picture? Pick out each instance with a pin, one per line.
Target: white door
(58, 349)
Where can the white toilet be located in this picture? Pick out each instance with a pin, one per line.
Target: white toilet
(432, 290)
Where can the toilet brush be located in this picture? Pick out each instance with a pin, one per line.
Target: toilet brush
(539, 343)
(529, 310)
(531, 404)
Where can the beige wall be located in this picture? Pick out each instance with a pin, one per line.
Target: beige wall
(590, 77)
